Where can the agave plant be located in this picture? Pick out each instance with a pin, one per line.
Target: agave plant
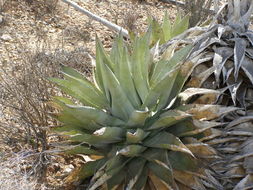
(225, 48)
(130, 122)
(166, 31)
(227, 54)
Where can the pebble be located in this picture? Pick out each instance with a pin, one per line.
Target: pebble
(1, 19)
(52, 30)
(6, 37)
(68, 169)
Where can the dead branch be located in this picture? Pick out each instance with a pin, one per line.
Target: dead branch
(103, 21)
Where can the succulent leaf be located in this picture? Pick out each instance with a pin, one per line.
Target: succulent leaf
(168, 119)
(167, 141)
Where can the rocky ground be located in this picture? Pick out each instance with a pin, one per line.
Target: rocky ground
(24, 23)
(46, 33)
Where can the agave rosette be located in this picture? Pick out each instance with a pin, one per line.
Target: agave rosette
(226, 63)
(130, 122)
(227, 54)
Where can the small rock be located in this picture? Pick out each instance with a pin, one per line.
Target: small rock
(6, 37)
(52, 30)
(68, 169)
(1, 19)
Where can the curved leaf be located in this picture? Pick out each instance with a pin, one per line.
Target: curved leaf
(135, 169)
(166, 140)
(163, 172)
(239, 54)
(189, 180)
(180, 25)
(162, 68)
(87, 114)
(132, 150)
(247, 66)
(166, 27)
(161, 90)
(190, 92)
(168, 119)
(138, 118)
(140, 63)
(104, 135)
(84, 92)
(101, 59)
(183, 162)
(83, 150)
(126, 80)
(86, 170)
(136, 136)
(208, 112)
(120, 104)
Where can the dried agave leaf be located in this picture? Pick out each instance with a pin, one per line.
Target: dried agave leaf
(221, 55)
(209, 112)
(247, 66)
(202, 150)
(158, 184)
(239, 54)
(200, 75)
(188, 180)
(245, 184)
(190, 92)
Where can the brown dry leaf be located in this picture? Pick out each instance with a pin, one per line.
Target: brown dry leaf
(245, 184)
(188, 180)
(187, 68)
(159, 185)
(202, 150)
(183, 187)
(209, 112)
(190, 92)
(203, 74)
(72, 177)
(207, 99)
(120, 187)
(235, 172)
(96, 157)
(194, 82)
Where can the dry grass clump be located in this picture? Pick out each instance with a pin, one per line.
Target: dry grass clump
(4, 5)
(77, 58)
(76, 34)
(130, 21)
(42, 8)
(13, 174)
(25, 94)
(198, 10)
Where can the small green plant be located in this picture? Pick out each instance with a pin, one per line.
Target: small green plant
(166, 31)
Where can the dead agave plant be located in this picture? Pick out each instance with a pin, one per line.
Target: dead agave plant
(225, 50)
